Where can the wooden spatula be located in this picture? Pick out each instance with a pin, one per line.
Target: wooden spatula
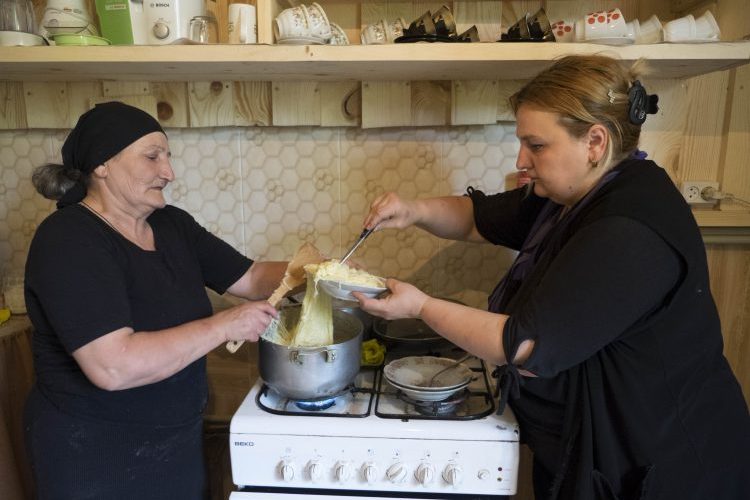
(294, 276)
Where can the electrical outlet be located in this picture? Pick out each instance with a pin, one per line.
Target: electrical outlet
(692, 190)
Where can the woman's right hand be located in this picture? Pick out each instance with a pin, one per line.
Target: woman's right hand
(390, 210)
(246, 321)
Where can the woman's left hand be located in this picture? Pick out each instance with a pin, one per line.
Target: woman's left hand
(403, 301)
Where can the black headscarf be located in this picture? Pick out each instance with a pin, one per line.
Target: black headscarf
(100, 134)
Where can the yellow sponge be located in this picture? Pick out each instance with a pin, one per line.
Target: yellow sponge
(373, 353)
(4, 315)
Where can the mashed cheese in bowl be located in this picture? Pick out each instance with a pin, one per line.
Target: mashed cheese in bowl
(340, 280)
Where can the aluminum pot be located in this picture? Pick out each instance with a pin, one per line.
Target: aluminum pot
(313, 373)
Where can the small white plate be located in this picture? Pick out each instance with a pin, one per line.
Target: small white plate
(344, 291)
(695, 40)
(301, 40)
(615, 40)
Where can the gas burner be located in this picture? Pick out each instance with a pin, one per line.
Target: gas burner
(441, 408)
(315, 405)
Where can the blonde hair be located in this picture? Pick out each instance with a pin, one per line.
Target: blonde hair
(586, 90)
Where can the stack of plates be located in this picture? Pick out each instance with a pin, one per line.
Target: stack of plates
(412, 375)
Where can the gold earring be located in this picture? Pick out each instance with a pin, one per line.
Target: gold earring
(594, 164)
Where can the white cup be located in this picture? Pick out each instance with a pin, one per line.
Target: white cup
(318, 22)
(680, 29)
(338, 35)
(651, 31)
(375, 34)
(395, 29)
(633, 29)
(242, 25)
(706, 27)
(292, 23)
(564, 30)
(603, 24)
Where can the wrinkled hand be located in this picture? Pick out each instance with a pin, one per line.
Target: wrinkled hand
(246, 321)
(403, 301)
(390, 210)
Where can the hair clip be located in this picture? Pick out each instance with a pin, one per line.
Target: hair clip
(641, 103)
(611, 96)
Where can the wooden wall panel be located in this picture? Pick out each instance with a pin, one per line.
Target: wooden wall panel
(296, 103)
(340, 104)
(661, 135)
(211, 104)
(12, 106)
(46, 104)
(735, 177)
(729, 267)
(386, 104)
(430, 103)
(171, 103)
(79, 99)
(474, 102)
(252, 103)
(485, 15)
(702, 140)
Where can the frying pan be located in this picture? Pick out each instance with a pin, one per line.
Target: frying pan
(407, 332)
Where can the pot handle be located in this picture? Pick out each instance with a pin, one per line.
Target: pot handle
(296, 356)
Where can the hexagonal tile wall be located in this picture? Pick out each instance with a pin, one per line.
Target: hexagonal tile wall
(21, 207)
(266, 190)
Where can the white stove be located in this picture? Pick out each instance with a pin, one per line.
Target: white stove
(371, 443)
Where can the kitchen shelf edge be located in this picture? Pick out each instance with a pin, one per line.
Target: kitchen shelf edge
(395, 62)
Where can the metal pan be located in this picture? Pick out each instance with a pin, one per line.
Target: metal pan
(407, 332)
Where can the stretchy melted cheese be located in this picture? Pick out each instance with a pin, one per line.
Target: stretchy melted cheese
(333, 270)
(315, 325)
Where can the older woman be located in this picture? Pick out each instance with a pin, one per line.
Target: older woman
(605, 326)
(115, 289)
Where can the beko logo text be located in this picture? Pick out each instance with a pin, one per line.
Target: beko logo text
(244, 443)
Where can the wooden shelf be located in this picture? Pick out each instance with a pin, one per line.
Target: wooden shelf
(476, 61)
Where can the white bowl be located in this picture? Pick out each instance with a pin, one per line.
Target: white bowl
(424, 395)
(20, 38)
(344, 291)
(415, 372)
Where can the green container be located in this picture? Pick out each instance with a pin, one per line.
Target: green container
(121, 21)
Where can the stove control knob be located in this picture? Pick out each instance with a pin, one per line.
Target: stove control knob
(453, 474)
(370, 472)
(343, 472)
(396, 473)
(287, 470)
(315, 469)
(161, 31)
(425, 474)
